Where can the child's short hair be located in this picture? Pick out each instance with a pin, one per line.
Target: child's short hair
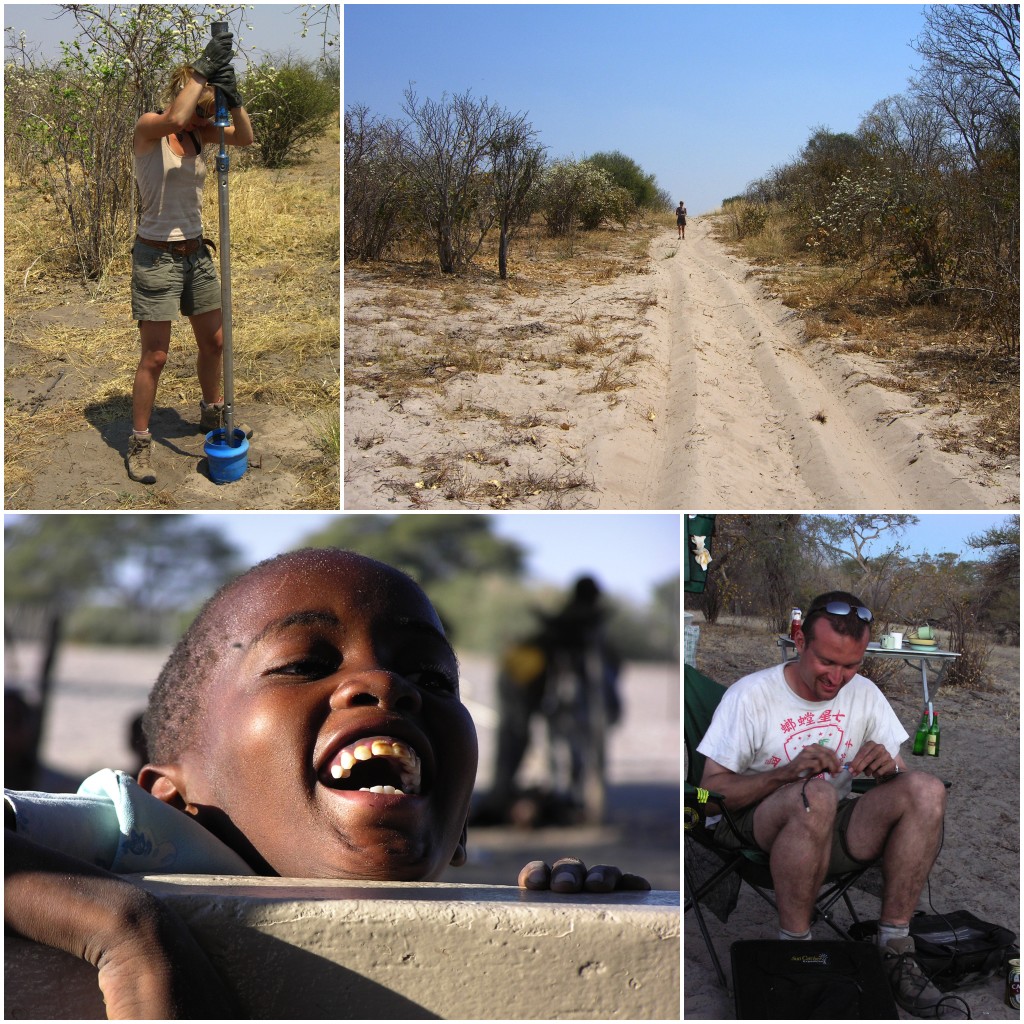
(178, 697)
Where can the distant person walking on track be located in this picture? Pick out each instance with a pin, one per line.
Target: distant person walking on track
(172, 270)
(681, 219)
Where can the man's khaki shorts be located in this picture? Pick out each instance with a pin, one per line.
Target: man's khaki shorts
(164, 285)
(840, 860)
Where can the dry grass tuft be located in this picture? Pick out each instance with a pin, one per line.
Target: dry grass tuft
(446, 473)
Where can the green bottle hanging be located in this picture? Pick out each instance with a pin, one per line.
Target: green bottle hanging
(932, 745)
(921, 737)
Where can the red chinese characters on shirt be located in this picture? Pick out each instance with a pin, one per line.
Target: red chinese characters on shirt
(821, 727)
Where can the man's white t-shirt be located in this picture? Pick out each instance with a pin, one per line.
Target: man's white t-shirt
(761, 723)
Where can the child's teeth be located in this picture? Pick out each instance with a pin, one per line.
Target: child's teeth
(405, 759)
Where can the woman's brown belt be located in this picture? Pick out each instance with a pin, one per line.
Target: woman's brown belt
(183, 248)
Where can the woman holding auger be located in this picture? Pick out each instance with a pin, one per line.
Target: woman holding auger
(172, 270)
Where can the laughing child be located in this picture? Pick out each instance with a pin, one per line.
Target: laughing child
(308, 724)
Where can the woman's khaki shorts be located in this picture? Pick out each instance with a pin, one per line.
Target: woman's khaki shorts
(841, 860)
(164, 284)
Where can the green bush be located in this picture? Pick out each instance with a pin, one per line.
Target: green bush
(629, 175)
(290, 107)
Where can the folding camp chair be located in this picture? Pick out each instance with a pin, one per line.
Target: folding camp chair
(701, 695)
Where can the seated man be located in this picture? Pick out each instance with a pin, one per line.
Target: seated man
(781, 742)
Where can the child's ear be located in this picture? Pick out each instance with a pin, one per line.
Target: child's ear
(459, 856)
(165, 782)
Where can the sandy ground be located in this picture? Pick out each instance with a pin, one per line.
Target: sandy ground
(98, 691)
(729, 407)
(518, 412)
(978, 868)
(84, 469)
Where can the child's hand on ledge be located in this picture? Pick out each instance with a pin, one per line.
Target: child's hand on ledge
(570, 874)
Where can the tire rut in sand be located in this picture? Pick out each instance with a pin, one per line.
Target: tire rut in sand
(764, 419)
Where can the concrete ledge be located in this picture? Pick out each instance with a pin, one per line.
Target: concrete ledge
(298, 949)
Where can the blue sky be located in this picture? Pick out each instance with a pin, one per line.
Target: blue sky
(628, 553)
(705, 97)
(276, 29)
(940, 532)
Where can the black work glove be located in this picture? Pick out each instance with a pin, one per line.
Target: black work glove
(216, 55)
(224, 79)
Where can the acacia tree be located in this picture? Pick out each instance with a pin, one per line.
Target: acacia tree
(375, 185)
(998, 597)
(756, 567)
(515, 166)
(444, 161)
(840, 544)
(972, 75)
(980, 41)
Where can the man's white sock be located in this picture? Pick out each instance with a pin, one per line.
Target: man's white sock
(891, 931)
(794, 936)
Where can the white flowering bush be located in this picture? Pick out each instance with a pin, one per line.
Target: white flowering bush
(856, 208)
(576, 193)
(897, 220)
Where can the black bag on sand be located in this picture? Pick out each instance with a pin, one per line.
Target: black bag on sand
(957, 949)
(953, 949)
(777, 980)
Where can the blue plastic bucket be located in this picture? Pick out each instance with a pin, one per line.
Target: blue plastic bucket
(226, 462)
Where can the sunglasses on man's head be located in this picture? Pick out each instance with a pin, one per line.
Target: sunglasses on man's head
(842, 608)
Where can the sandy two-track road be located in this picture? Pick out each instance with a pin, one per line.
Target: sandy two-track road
(728, 407)
(759, 418)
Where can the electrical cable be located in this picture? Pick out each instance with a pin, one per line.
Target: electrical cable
(942, 1003)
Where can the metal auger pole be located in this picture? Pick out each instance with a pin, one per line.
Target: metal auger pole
(222, 119)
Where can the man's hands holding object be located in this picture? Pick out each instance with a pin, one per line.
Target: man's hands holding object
(872, 760)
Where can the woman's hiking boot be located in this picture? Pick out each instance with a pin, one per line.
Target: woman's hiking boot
(211, 417)
(139, 459)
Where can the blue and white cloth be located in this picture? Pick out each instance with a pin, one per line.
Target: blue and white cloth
(114, 823)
